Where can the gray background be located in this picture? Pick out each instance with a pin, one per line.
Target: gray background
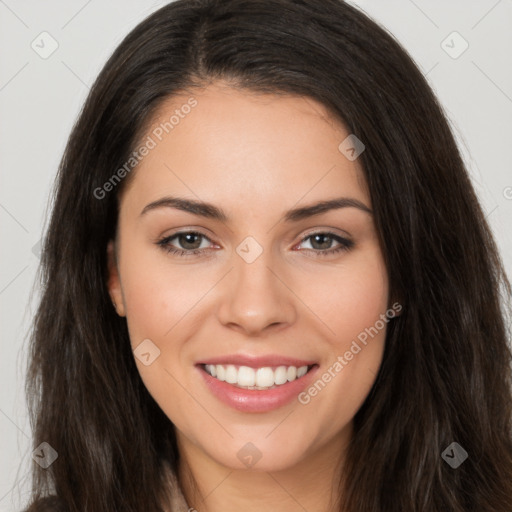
(40, 99)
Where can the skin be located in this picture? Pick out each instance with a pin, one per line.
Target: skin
(255, 156)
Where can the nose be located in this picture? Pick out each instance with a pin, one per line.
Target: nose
(255, 298)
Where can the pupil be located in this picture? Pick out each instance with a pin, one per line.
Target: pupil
(324, 241)
(185, 241)
(189, 241)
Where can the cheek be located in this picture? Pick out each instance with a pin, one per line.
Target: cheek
(158, 300)
(157, 296)
(352, 307)
(347, 298)
(352, 298)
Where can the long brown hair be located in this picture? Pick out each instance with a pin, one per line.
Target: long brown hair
(446, 372)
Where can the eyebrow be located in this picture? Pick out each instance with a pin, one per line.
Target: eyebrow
(210, 211)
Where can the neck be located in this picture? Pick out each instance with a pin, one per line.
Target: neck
(312, 484)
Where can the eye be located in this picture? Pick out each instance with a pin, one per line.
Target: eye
(190, 242)
(321, 243)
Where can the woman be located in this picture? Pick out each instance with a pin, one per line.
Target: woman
(267, 280)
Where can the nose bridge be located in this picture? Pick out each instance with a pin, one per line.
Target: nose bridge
(254, 297)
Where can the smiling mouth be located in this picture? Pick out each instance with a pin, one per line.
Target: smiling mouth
(259, 379)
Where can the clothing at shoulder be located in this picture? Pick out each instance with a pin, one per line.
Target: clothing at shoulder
(178, 502)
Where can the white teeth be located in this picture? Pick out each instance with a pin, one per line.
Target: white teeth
(302, 371)
(221, 372)
(231, 374)
(292, 373)
(264, 377)
(281, 375)
(211, 369)
(246, 376)
(260, 378)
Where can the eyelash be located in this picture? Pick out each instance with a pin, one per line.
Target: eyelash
(345, 244)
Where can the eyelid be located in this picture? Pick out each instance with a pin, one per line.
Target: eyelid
(344, 242)
(199, 231)
(164, 241)
(327, 230)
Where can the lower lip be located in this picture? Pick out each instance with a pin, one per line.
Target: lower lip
(253, 400)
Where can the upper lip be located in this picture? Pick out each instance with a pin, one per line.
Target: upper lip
(257, 361)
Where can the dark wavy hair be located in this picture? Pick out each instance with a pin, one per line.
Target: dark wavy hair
(446, 371)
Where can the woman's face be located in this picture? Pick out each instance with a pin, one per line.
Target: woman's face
(265, 283)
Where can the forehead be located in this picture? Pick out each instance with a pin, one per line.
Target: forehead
(222, 143)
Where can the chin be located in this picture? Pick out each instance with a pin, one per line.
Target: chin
(261, 452)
